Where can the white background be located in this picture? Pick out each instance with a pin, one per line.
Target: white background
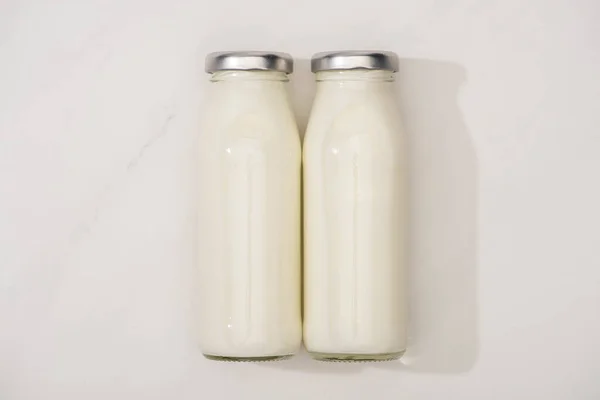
(98, 109)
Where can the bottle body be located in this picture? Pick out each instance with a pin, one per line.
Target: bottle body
(354, 219)
(249, 219)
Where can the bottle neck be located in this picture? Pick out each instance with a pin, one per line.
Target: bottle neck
(355, 76)
(249, 87)
(249, 76)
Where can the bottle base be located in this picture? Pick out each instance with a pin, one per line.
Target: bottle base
(347, 357)
(247, 359)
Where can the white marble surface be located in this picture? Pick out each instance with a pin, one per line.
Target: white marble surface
(98, 108)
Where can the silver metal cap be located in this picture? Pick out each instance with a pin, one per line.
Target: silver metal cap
(249, 60)
(354, 59)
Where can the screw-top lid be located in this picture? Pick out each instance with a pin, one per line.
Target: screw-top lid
(249, 60)
(354, 59)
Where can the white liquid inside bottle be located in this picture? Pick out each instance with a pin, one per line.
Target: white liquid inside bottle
(354, 219)
(249, 219)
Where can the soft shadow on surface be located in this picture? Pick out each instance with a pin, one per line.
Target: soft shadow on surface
(443, 179)
(302, 92)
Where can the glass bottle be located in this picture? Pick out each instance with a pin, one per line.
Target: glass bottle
(354, 211)
(249, 210)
